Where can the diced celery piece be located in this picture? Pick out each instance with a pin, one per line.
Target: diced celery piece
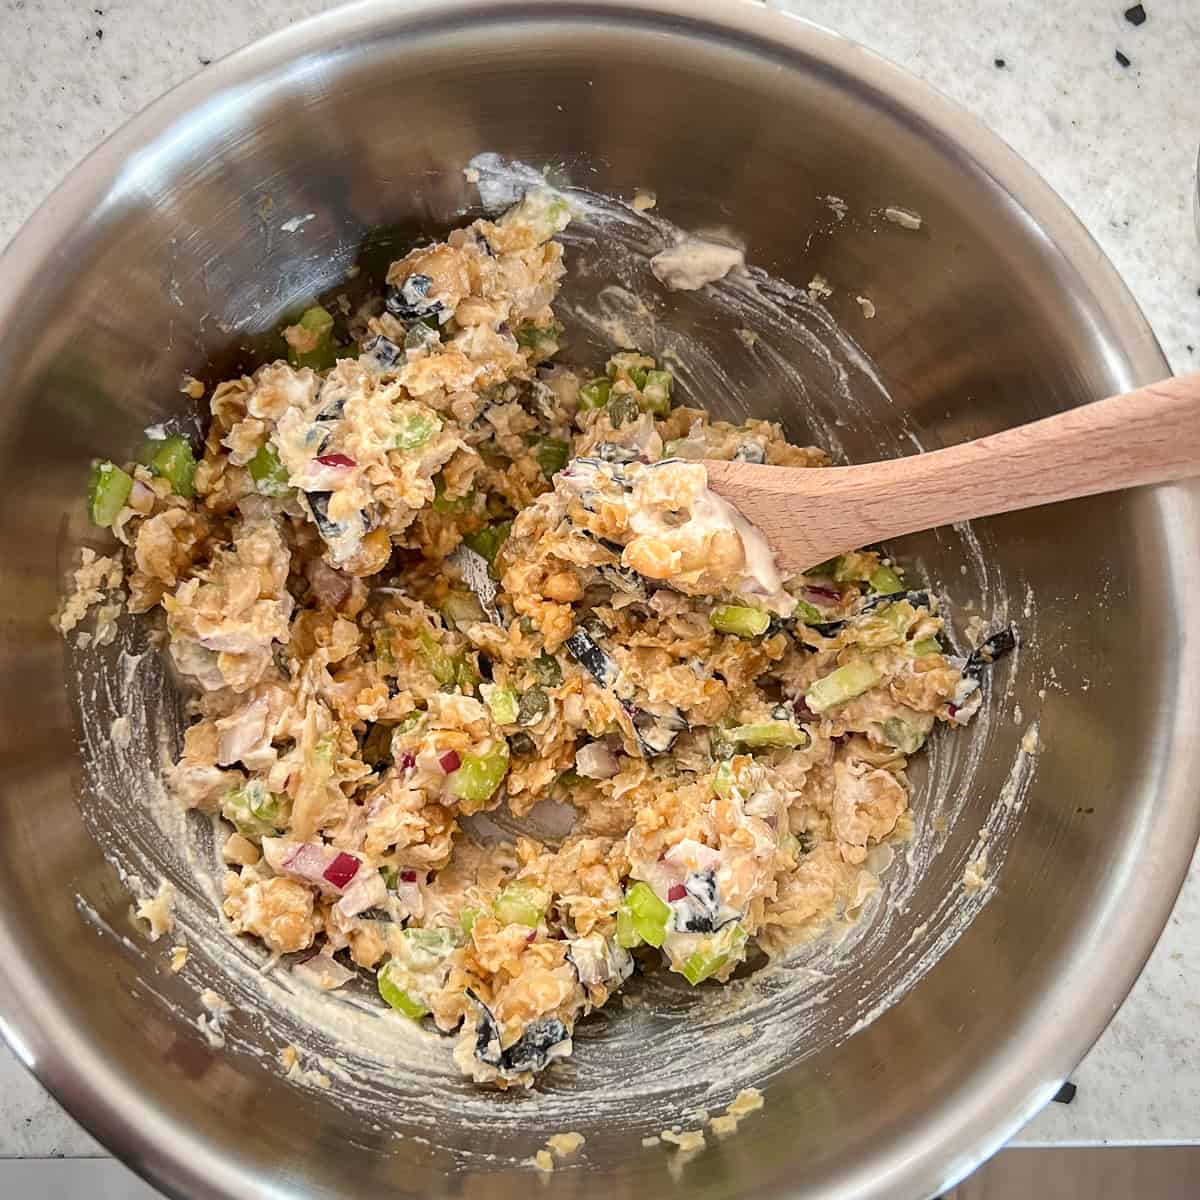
(320, 765)
(648, 913)
(269, 474)
(885, 625)
(440, 664)
(638, 376)
(656, 392)
(547, 670)
(768, 735)
(627, 934)
(828, 567)
(108, 489)
(841, 685)
(543, 339)
(479, 775)
(501, 702)
(734, 618)
(594, 393)
(488, 540)
(926, 646)
(414, 427)
(391, 876)
(465, 674)
(466, 919)
(703, 964)
(461, 607)
(809, 614)
(430, 943)
(408, 723)
(254, 811)
(319, 321)
(396, 996)
(905, 737)
(551, 455)
(885, 581)
(174, 461)
(521, 903)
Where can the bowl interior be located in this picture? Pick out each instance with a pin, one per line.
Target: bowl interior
(177, 250)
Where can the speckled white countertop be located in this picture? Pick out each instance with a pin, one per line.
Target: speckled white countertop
(1118, 143)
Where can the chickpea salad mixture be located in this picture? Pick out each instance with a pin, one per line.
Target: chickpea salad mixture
(421, 571)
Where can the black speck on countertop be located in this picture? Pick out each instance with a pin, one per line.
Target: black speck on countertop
(1065, 1094)
(1122, 59)
(1000, 63)
(205, 61)
(1136, 15)
(99, 35)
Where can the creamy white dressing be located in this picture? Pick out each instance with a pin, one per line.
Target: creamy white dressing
(693, 262)
(762, 579)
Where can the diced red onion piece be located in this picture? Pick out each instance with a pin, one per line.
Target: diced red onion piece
(306, 862)
(409, 897)
(336, 460)
(676, 892)
(450, 761)
(341, 870)
(408, 761)
(408, 876)
(814, 593)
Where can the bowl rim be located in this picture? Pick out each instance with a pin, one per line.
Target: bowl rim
(168, 1154)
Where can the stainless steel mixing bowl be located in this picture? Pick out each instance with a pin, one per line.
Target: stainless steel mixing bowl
(165, 249)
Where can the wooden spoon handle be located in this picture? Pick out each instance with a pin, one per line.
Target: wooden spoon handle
(1146, 436)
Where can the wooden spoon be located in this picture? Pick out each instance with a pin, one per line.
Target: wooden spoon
(1146, 436)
